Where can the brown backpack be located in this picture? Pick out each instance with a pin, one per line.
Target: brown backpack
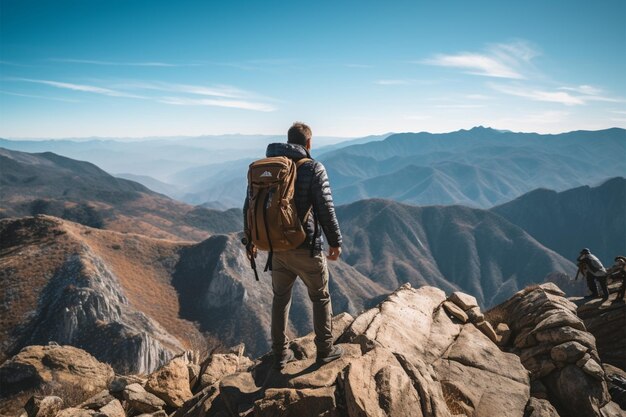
(273, 221)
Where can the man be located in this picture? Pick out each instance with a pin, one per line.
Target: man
(312, 190)
(593, 269)
(618, 270)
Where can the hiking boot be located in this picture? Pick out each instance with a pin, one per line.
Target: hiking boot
(283, 359)
(335, 353)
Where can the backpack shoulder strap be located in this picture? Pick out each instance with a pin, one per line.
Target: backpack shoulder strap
(302, 161)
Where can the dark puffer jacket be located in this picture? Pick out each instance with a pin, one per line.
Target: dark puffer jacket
(312, 189)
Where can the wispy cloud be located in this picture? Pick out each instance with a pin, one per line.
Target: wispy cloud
(120, 63)
(591, 93)
(13, 64)
(11, 93)
(213, 91)
(214, 102)
(568, 96)
(80, 87)
(358, 66)
(562, 97)
(220, 95)
(499, 60)
(186, 94)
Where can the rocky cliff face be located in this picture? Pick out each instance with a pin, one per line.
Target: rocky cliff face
(606, 321)
(417, 353)
(554, 345)
(78, 301)
(83, 305)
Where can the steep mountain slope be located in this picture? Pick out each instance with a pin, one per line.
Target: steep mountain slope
(593, 217)
(106, 292)
(150, 298)
(80, 191)
(450, 247)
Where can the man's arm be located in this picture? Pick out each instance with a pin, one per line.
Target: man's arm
(324, 206)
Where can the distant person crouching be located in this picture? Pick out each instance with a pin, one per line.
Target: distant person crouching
(593, 270)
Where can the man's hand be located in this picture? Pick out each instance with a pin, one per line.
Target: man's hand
(333, 253)
(251, 252)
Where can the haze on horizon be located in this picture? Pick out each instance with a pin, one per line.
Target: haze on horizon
(156, 68)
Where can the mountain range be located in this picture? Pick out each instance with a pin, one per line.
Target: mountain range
(592, 217)
(451, 247)
(161, 157)
(480, 167)
(46, 183)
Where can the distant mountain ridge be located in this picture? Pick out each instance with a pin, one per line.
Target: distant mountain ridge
(47, 183)
(480, 167)
(567, 221)
(161, 157)
(451, 247)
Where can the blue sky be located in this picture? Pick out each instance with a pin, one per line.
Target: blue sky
(349, 68)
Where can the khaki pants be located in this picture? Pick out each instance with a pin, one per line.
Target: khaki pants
(286, 267)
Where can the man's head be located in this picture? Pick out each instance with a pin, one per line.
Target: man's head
(300, 134)
(585, 251)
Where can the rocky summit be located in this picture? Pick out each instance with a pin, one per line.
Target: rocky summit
(417, 353)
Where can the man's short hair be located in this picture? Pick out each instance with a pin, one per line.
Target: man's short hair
(299, 133)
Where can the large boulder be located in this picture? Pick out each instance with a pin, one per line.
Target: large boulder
(553, 344)
(376, 384)
(54, 368)
(469, 370)
(34, 366)
(141, 401)
(113, 409)
(171, 382)
(221, 364)
(606, 322)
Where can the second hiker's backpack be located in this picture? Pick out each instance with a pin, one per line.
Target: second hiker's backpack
(272, 218)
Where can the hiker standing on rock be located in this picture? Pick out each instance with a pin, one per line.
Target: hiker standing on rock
(287, 201)
(618, 270)
(593, 270)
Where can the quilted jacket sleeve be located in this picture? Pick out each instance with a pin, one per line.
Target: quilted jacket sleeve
(324, 206)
